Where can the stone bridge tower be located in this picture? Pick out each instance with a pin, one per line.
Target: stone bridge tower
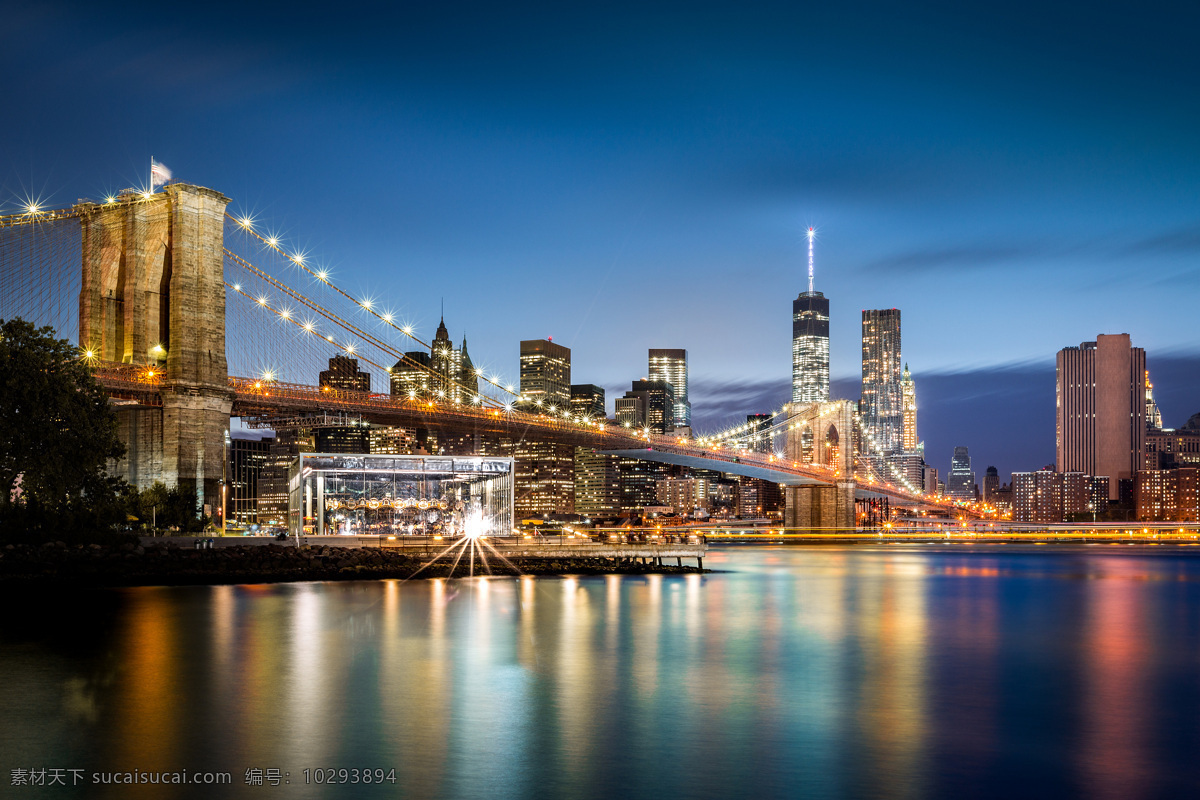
(153, 294)
(822, 433)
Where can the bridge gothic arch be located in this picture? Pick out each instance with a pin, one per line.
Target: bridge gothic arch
(823, 434)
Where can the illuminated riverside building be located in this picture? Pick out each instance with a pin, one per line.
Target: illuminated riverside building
(597, 484)
(881, 407)
(908, 408)
(545, 478)
(672, 366)
(1167, 447)
(247, 459)
(810, 341)
(399, 495)
(1168, 495)
(1100, 416)
(1049, 496)
(545, 373)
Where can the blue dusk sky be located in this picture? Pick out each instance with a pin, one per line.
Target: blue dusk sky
(1014, 177)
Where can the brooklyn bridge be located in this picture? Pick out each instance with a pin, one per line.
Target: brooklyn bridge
(190, 316)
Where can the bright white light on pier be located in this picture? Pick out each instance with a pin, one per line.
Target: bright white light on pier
(475, 525)
(273, 242)
(407, 329)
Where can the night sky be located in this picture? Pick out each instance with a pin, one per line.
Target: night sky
(1015, 179)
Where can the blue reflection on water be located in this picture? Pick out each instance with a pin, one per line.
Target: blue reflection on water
(889, 671)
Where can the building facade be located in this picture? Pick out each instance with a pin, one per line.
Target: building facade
(991, 485)
(881, 406)
(908, 408)
(960, 481)
(545, 373)
(587, 401)
(671, 365)
(658, 401)
(760, 439)
(1052, 497)
(344, 375)
(1100, 416)
(1168, 495)
(248, 456)
(597, 484)
(810, 348)
(413, 376)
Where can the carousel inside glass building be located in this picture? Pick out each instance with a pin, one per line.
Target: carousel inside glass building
(384, 495)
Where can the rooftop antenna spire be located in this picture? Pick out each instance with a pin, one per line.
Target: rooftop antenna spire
(810, 259)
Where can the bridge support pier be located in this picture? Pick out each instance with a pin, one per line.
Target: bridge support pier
(820, 508)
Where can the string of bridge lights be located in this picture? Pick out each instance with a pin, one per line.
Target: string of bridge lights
(366, 304)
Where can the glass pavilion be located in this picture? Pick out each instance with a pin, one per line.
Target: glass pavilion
(385, 495)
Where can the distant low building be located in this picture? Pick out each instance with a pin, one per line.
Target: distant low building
(1051, 497)
(1168, 495)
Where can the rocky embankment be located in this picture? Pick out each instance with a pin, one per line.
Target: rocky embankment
(135, 565)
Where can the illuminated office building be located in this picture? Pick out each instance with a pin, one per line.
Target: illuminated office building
(810, 342)
(881, 408)
(587, 401)
(908, 407)
(672, 366)
(1100, 414)
(960, 483)
(344, 375)
(545, 373)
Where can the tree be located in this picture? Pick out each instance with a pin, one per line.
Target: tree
(57, 430)
(169, 508)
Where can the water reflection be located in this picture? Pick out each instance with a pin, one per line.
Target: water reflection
(898, 672)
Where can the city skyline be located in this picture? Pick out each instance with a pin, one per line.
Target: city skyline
(694, 148)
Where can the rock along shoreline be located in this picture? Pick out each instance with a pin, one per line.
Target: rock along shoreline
(137, 565)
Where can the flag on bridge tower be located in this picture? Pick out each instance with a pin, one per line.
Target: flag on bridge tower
(159, 174)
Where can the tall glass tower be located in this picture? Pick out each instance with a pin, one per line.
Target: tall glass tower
(810, 341)
(882, 393)
(671, 365)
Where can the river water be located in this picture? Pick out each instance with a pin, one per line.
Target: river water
(865, 671)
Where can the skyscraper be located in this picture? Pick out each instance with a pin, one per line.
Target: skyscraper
(1101, 409)
(881, 407)
(672, 366)
(810, 341)
(454, 375)
(991, 484)
(908, 406)
(760, 440)
(344, 375)
(658, 404)
(413, 376)
(587, 400)
(545, 373)
(960, 483)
